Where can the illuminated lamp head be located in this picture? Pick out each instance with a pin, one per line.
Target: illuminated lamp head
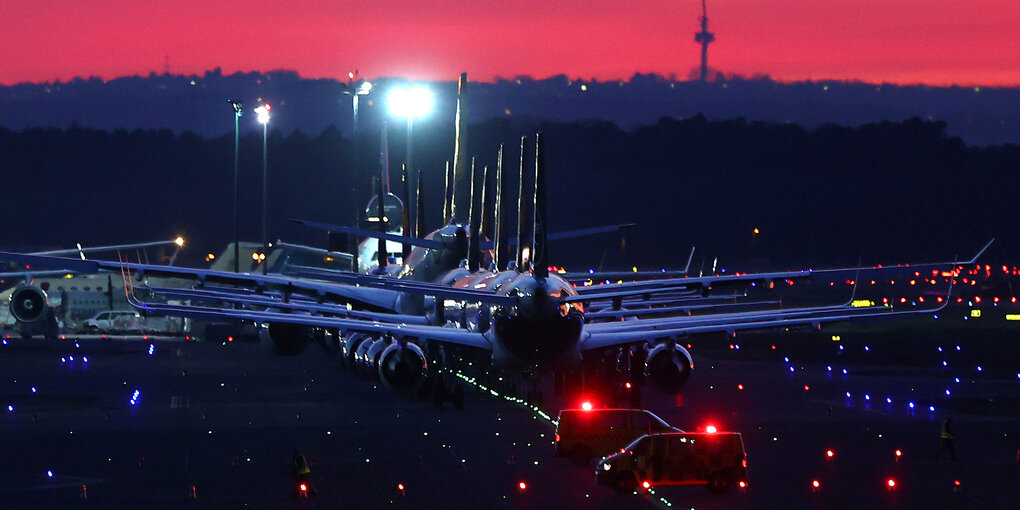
(586, 406)
(711, 429)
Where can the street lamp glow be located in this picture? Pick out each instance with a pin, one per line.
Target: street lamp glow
(410, 102)
(263, 113)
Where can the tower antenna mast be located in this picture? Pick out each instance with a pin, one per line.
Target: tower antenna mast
(704, 38)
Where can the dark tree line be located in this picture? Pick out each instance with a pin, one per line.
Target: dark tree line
(830, 196)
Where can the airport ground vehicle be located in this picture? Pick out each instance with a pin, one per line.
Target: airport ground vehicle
(583, 434)
(715, 459)
(115, 320)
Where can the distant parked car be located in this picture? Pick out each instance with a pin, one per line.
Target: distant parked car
(115, 320)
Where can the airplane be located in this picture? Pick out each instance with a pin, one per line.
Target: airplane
(518, 315)
(456, 290)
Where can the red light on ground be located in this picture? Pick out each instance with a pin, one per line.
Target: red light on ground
(586, 406)
(742, 484)
(956, 483)
(230, 339)
(816, 484)
(807, 388)
(830, 454)
(710, 429)
(891, 483)
(646, 485)
(899, 453)
(557, 438)
(773, 347)
(627, 385)
(303, 488)
(400, 486)
(977, 299)
(740, 386)
(522, 486)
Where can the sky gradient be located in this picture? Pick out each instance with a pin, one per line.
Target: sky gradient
(938, 42)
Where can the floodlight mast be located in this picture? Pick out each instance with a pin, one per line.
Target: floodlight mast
(410, 103)
(262, 113)
(238, 111)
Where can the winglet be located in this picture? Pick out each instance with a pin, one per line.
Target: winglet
(979, 253)
(689, 258)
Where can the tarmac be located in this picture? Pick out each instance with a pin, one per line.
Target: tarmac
(163, 423)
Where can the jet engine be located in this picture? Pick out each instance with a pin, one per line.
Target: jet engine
(28, 303)
(290, 338)
(669, 366)
(370, 362)
(402, 366)
(350, 347)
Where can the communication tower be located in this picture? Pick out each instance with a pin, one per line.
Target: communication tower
(704, 38)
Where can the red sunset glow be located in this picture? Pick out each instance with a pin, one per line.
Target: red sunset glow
(906, 41)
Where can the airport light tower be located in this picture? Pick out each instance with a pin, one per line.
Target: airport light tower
(704, 38)
(262, 114)
(410, 102)
(356, 89)
(238, 111)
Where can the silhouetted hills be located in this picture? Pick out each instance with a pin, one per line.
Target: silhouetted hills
(979, 115)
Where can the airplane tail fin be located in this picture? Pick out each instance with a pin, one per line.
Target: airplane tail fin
(541, 252)
(499, 235)
(524, 222)
(381, 256)
(473, 213)
(405, 213)
(419, 207)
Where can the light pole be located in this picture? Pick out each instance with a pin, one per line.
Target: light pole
(262, 113)
(410, 102)
(356, 89)
(238, 111)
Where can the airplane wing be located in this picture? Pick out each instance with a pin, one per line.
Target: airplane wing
(610, 334)
(409, 286)
(400, 330)
(294, 303)
(373, 298)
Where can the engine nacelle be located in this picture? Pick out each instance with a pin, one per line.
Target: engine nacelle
(290, 338)
(368, 363)
(28, 303)
(402, 366)
(349, 346)
(669, 366)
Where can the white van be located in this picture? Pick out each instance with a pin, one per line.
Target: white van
(115, 320)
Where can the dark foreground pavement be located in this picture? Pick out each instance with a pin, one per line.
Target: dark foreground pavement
(225, 419)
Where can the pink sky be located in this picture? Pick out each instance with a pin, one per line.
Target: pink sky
(974, 42)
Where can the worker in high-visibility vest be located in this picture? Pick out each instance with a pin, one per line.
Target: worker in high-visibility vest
(301, 472)
(947, 439)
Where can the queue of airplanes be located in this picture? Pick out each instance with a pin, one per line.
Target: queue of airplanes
(459, 290)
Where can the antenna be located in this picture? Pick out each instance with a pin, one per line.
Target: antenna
(704, 38)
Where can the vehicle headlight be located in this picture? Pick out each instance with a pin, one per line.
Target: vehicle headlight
(607, 466)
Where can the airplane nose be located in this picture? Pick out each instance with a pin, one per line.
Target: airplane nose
(539, 305)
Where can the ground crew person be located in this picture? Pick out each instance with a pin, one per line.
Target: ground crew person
(947, 439)
(301, 471)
